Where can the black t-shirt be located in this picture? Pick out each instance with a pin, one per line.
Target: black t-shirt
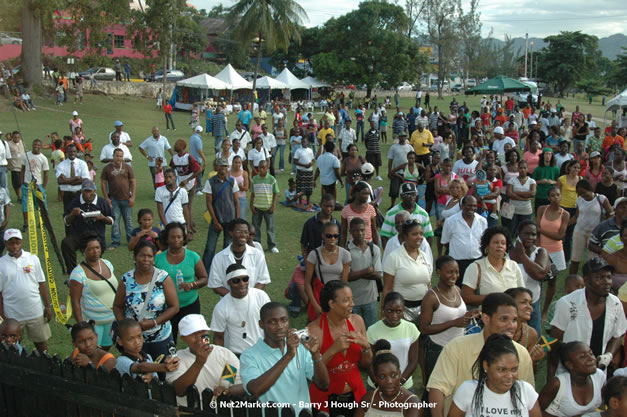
(596, 340)
(610, 192)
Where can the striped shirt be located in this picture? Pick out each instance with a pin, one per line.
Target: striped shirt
(264, 190)
(218, 125)
(388, 229)
(372, 141)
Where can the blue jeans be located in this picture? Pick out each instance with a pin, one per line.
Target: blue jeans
(269, 219)
(422, 189)
(360, 130)
(121, 210)
(3, 178)
(219, 140)
(368, 312)
(347, 185)
(281, 150)
(536, 317)
(212, 243)
(243, 207)
(168, 120)
(294, 295)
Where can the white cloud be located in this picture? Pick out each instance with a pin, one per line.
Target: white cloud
(601, 18)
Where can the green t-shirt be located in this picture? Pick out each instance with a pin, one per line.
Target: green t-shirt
(545, 173)
(264, 189)
(187, 268)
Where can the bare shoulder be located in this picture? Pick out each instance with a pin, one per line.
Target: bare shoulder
(358, 322)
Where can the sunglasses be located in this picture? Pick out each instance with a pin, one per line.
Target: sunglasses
(329, 236)
(237, 280)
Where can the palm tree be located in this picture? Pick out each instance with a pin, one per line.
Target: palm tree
(275, 23)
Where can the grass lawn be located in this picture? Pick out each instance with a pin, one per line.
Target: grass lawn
(139, 115)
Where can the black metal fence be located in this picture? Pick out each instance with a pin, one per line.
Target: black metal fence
(38, 385)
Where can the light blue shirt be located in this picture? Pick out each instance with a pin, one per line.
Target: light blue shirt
(244, 116)
(195, 145)
(123, 364)
(156, 148)
(326, 162)
(292, 386)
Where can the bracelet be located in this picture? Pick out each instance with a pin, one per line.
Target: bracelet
(317, 360)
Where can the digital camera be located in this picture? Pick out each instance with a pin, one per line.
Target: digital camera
(303, 335)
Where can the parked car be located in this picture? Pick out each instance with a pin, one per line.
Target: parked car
(6, 39)
(173, 75)
(405, 87)
(471, 82)
(100, 73)
(457, 88)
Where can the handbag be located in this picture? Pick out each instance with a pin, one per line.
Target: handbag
(507, 210)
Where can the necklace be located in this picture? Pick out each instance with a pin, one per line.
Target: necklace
(238, 259)
(243, 325)
(398, 394)
(443, 296)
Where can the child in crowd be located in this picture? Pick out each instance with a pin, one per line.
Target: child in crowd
(614, 394)
(295, 290)
(251, 238)
(82, 144)
(159, 177)
(11, 333)
(294, 198)
(146, 230)
(133, 360)
(57, 155)
(92, 169)
(86, 351)
(483, 187)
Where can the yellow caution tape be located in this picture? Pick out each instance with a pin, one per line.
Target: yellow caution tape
(34, 249)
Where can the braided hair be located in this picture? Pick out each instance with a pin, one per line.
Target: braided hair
(495, 346)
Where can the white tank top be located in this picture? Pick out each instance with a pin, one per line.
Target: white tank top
(443, 314)
(533, 285)
(564, 405)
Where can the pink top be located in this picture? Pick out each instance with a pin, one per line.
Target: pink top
(443, 199)
(532, 160)
(368, 215)
(256, 130)
(240, 183)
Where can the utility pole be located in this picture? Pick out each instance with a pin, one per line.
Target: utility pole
(526, 37)
(531, 61)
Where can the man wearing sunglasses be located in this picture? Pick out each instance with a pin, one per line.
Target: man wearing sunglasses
(235, 320)
(195, 368)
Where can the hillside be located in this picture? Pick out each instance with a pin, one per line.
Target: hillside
(610, 46)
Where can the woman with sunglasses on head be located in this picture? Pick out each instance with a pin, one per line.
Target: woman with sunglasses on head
(328, 262)
(186, 269)
(407, 270)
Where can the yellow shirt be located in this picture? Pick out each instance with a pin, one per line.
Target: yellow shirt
(569, 195)
(261, 114)
(454, 365)
(419, 139)
(322, 134)
(491, 279)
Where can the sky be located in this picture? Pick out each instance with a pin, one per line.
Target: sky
(597, 17)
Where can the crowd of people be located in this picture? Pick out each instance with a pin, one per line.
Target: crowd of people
(498, 191)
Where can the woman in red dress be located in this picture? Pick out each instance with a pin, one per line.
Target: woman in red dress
(345, 349)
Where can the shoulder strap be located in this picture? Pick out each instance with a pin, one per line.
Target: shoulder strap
(319, 265)
(104, 358)
(176, 194)
(478, 277)
(151, 287)
(93, 271)
(371, 246)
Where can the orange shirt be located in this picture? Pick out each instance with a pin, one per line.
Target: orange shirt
(610, 140)
(501, 118)
(526, 112)
(65, 83)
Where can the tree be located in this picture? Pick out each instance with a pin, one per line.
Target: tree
(441, 18)
(378, 53)
(470, 34)
(414, 10)
(297, 52)
(618, 74)
(271, 23)
(568, 58)
(593, 87)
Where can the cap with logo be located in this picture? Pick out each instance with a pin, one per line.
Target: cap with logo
(408, 188)
(12, 233)
(88, 185)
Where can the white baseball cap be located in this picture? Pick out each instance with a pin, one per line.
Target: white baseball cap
(499, 130)
(367, 168)
(198, 129)
(11, 233)
(192, 323)
(74, 113)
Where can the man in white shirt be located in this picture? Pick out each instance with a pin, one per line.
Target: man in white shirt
(500, 140)
(347, 137)
(70, 175)
(235, 319)
(125, 138)
(106, 155)
(172, 202)
(202, 364)
(269, 144)
(155, 147)
(238, 252)
(462, 233)
(240, 134)
(34, 168)
(22, 289)
(592, 315)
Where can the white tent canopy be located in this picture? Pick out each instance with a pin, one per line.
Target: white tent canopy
(291, 81)
(314, 82)
(232, 79)
(203, 81)
(617, 102)
(271, 83)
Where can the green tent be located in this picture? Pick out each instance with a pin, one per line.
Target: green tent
(499, 85)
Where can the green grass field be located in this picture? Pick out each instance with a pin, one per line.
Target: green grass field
(139, 115)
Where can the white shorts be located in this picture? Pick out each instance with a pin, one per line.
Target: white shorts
(558, 260)
(580, 243)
